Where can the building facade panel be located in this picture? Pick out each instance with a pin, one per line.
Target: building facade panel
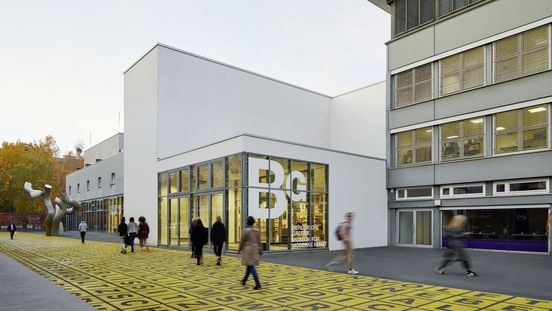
(410, 49)
(412, 176)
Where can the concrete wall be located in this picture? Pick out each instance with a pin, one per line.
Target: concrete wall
(358, 121)
(140, 174)
(104, 149)
(103, 169)
(482, 22)
(202, 101)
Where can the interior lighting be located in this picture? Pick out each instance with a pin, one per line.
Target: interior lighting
(453, 136)
(429, 131)
(538, 109)
(500, 128)
(476, 121)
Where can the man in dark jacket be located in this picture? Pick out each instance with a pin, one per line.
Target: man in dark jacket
(218, 237)
(199, 237)
(123, 234)
(12, 229)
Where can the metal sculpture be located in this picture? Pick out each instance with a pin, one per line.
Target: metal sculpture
(52, 222)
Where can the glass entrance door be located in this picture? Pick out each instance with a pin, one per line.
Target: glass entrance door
(414, 228)
(184, 220)
(209, 207)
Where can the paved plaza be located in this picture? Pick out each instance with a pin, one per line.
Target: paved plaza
(164, 279)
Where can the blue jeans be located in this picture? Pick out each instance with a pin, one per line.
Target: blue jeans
(132, 237)
(252, 270)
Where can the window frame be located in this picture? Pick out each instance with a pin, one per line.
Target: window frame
(69, 190)
(461, 196)
(78, 188)
(412, 86)
(463, 72)
(462, 137)
(507, 183)
(112, 182)
(521, 129)
(406, 19)
(414, 146)
(406, 198)
(453, 10)
(88, 185)
(519, 56)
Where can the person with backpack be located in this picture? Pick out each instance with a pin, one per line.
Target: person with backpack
(143, 232)
(343, 234)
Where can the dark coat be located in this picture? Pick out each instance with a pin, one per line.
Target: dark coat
(199, 235)
(122, 229)
(143, 230)
(12, 228)
(456, 244)
(218, 232)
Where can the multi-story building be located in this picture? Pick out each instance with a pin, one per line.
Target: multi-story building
(99, 186)
(468, 121)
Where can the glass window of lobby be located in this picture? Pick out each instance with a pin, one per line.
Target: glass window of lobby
(288, 198)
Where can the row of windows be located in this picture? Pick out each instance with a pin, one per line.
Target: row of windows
(410, 14)
(500, 188)
(512, 57)
(513, 131)
(99, 184)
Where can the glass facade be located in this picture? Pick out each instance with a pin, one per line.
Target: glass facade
(101, 215)
(519, 229)
(522, 129)
(290, 195)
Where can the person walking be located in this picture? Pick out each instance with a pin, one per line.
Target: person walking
(251, 251)
(123, 234)
(344, 234)
(194, 219)
(12, 229)
(218, 237)
(82, 228)
(132, 232)
(456, 235)
(143, 232)
(199, 238)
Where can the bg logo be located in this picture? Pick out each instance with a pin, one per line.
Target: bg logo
(275, 188)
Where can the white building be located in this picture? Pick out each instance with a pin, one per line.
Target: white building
(204, 138)
(99, 186)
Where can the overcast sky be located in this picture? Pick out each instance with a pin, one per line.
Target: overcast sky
(62, 61)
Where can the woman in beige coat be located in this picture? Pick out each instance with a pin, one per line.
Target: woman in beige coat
(250, 249)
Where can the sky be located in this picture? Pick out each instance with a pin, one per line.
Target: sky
(62, 61)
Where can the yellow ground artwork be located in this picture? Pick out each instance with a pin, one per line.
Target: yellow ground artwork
(162, 279)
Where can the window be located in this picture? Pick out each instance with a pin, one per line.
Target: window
(413, 86)
(523, 129)
(69, 190)
(521, 54)
(462, 191)
(88, 185)
(410, 14)
(112, 179)
(99, 182)
(462, 71)
(463, 139)
(449, 6)
(78, 188)
(521, 187)
(414, 147)
(415, 193)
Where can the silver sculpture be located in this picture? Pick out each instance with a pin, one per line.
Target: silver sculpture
(52, 222)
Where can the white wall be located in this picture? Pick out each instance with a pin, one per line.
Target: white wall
(103, 169)
(201, 102)
(141, 139)
(356, 184)
(104, 149)
(358, 121)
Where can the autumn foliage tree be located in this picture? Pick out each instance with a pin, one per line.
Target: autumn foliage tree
(38, 163)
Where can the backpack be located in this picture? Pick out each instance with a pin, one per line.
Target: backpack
(338, 232)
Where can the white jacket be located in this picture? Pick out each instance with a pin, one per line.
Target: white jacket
(132, 227)
(83, 227)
